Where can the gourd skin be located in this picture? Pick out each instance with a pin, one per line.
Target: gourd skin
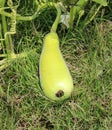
(55, 77)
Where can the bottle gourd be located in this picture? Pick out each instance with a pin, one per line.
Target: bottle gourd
(55, 78)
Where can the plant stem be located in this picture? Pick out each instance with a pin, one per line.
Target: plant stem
(2, 2)
(1, 39)
(3, 55)
(19, 17)
(74, 11)
(71, 17)
(9, 47)
(93, 13)
(8, 42)
(56, 22)
(12, 57)
(26, 18)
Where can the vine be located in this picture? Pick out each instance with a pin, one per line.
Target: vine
(13, 13)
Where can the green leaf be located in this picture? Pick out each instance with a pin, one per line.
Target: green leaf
(102, 2)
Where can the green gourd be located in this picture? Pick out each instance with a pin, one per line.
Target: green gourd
(55, 78)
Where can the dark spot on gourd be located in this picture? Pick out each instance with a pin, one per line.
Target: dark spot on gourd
(60, 93)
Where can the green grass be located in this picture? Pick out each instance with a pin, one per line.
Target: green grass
(88, 53)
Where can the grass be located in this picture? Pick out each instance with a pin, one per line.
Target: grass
(88, 53)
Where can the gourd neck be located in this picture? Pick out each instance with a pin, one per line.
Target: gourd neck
(51, 40)
(56, 22)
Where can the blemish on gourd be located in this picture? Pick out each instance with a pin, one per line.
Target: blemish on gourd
(60, 93)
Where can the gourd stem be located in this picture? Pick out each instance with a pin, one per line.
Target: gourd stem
(56, 22)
